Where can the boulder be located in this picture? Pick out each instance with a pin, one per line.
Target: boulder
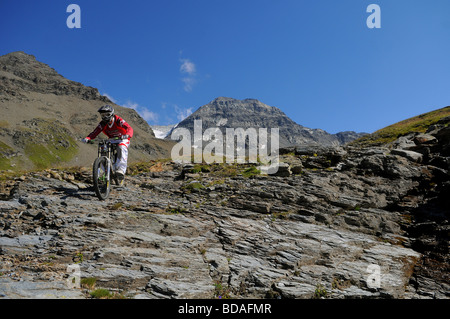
(410, 155)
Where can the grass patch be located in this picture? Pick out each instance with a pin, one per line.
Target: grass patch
(5, 150)
(224, 170)
(88, 283)
(175, 210)
(320, 292)
(47, 143)
(102, 293)
(199, 168)
(390, 133)
(116, 206)
(221, 291)
(194, 185)
(46, 156)
(147, 167)
(251, 171)
(78, 258)
(5, 163)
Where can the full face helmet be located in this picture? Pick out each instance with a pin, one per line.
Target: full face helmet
(106, 112)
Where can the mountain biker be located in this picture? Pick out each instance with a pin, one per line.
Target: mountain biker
(114, 126)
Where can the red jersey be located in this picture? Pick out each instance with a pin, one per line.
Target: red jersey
(117, 128)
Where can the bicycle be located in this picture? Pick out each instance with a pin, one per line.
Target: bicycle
(103, 168)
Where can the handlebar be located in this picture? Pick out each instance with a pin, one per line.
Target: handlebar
(105, 140)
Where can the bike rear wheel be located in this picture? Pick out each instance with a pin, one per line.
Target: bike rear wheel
(102, 184)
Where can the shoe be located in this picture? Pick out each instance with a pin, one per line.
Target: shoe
(120, 178)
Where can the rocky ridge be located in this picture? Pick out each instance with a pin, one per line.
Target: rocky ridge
(333, 222)
(224, 112)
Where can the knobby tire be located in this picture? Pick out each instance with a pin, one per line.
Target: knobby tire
(102, 186)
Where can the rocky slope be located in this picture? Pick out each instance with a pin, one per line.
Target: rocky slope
(226, 112)
(418, 124)
(334, 222)
(44, 116)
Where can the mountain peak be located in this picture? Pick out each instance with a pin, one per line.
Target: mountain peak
(20, 55)
(223, 99)
(26, 67)
(22, 72)
(229, 104)
(252, 113)
(18, 60)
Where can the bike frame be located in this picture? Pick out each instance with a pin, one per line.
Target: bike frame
(105, 149)
(106, 154)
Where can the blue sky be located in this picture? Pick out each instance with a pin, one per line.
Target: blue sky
(316, 60)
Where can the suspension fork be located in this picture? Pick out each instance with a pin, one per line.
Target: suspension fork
(108, 168)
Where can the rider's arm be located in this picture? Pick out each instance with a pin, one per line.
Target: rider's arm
(97, 131)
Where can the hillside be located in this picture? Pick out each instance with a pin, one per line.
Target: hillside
(44, 116)
(416, 124)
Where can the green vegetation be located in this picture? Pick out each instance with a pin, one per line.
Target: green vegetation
(78, 258)
(194, 185)
(116, 206)
(251, 171)
(147, 167)
(46, 143)
(224, 170)
(46, 156)
(99, 293)
(215, 170)
(102, 293)
(320, 292)
(280, 215)
(390, 133)
(221, 291)
(201, 168)
(88, 283)
(5, 162)
(175, 210)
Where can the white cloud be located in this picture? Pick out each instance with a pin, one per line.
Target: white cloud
(182, 113)
(131, 105)
(147, 115)
(187, 66)
(110, 97)
(188, 83)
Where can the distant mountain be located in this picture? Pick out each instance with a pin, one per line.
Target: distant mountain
(226, 112)
(43, 117)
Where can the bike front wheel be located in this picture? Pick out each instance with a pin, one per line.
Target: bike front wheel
(102, 184)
